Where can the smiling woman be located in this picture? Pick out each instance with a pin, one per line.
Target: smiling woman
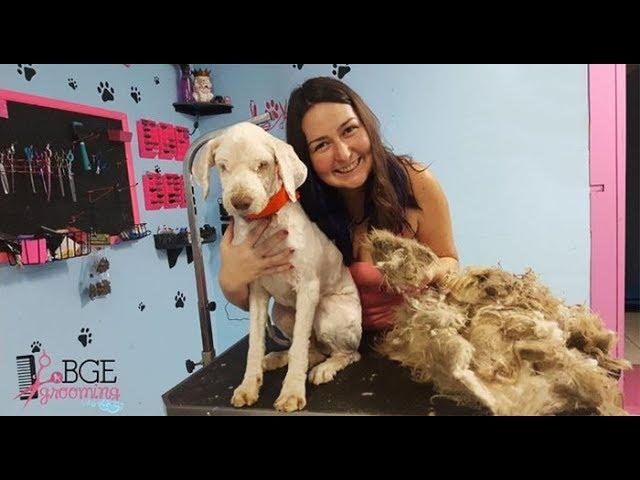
(340, 155)
(356, 184)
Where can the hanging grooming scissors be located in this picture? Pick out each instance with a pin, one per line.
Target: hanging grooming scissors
(3, 175)
(28, 152)
(72, 182)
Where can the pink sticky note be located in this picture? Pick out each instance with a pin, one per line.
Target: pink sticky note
(4, 111)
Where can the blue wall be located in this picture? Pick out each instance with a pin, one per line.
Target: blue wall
(508, 143)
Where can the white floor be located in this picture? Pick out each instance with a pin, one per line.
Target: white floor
(632, 337)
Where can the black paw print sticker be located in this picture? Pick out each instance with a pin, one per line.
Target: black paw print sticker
(106, 92)
(340, 70)
(298, 66)
(141, 306)
(35, 346)
(136, 95)
(156, 80)
(27, 70)
(72, 83)
(84, 337)
(180, 298)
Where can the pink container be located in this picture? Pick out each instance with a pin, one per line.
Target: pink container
(167, 135)
(182, 142)
(174, 190)
(34, 252)
(148, 138)
(154, 191)
(119, 135)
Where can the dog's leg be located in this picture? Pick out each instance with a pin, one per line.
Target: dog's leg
(285, 318)
(292, 395)
(325, 372)
(247, 392)
(275, 360)
(338, 330)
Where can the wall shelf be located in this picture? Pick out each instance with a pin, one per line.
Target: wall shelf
(202, 108)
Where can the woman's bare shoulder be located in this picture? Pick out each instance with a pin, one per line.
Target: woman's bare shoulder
(423, 182)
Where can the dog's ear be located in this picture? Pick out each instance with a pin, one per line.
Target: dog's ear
(205, 162)
(293, 171)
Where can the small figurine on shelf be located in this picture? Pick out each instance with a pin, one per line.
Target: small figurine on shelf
(202, 86)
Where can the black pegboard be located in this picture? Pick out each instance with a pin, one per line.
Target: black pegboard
(108, 209)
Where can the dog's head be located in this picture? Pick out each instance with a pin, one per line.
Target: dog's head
(253, 165)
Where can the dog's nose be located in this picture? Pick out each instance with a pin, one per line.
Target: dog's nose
(240, 202)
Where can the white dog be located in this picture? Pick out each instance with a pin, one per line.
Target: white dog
(316, 304)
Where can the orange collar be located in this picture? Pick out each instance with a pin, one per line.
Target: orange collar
(276, 202)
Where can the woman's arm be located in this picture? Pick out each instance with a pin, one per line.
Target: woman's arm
(434, 221)
(237, 293)
(242, 264)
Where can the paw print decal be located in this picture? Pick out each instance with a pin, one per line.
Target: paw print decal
(340, 70)
(180, 299)
(85, 337)
(136, 95)
(106, 92)
(26, 70)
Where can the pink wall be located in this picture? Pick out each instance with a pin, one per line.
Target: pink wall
(607, 147)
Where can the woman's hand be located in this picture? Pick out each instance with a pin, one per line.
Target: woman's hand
(255, 257)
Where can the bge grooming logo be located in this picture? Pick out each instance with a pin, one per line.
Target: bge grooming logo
(86, 380)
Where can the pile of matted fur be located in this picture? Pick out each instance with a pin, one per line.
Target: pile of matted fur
(504, 341)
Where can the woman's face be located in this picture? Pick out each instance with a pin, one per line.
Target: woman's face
(339, 146)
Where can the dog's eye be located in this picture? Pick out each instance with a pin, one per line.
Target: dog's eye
(262, 166)
(223, 168)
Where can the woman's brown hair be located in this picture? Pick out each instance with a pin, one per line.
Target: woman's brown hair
(388, 191)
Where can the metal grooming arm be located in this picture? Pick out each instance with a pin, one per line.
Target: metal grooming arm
(208, 352)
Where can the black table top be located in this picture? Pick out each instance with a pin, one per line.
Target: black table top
(372, 386)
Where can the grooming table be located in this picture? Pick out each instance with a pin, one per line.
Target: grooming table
(372, 386)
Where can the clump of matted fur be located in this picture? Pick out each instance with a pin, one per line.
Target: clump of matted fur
(487, 336)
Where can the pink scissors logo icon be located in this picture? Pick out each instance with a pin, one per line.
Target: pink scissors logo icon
(56, 377)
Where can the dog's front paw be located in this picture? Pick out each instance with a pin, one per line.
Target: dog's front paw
(322, 373)
(247, 393)
(291, 399)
